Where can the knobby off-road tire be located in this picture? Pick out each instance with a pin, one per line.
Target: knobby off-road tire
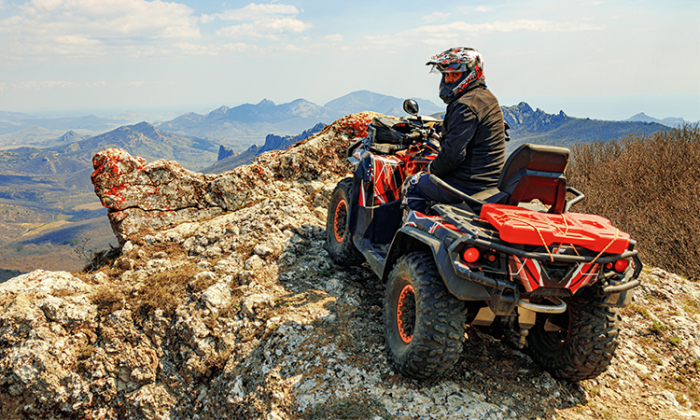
(423, 321)
(338, 235)
(586, 349)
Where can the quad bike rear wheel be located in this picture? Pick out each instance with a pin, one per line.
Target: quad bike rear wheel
(338, 235)
(423, 321)
(578, 344)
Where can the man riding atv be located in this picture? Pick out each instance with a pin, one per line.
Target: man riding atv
(473, 140)
(511, 259)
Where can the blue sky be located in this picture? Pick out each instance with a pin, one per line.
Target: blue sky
(597, 59)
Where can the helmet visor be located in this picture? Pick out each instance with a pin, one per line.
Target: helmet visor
(449, 68)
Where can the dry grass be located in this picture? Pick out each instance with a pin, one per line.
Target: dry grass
(108, 299)
(353, 407)
(648, 186)
(165, 290)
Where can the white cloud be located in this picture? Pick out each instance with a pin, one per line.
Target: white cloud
(483, 9)
(239, 47)
(334, 38)
(196, 49)
(436, 17)
(454, 32)
(262, 21)
(90, 27)
(258, 12)
(269, 29)
(44, 84)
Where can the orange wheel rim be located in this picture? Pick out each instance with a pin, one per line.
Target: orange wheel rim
(406, 313)
(339, 220)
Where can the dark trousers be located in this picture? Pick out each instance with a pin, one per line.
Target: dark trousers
(420, 190)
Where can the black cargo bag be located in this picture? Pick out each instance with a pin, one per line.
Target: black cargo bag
(381, 131)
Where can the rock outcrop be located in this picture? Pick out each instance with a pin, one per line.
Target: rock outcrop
(144, 197)
(223, 303)
(225, 152)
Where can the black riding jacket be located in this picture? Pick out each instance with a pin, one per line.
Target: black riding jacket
(474, 141)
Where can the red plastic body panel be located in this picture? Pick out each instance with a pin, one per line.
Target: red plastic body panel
(526, 227)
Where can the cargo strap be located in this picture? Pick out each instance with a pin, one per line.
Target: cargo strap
(565, 233)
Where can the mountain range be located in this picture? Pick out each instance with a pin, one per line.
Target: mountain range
(239, 127)
(242, 125)
(536, 126)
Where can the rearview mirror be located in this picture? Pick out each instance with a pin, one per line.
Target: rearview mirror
(410, 106)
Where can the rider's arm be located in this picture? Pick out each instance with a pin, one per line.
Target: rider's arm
(460, 130)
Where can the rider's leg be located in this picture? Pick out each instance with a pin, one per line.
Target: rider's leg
(420, 190)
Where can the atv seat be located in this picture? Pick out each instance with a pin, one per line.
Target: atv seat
(531, 172)
(535, 171)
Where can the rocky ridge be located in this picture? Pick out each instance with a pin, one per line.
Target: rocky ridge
(536, 126)
(229, 161)
(222, 303)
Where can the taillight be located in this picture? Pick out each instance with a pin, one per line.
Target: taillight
(471, 255)
(490, 257)
(621, 265)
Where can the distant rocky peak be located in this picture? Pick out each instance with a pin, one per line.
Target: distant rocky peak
(669, 122)
(70, 136)
(266, 103)
(221, 110)
(524, 108)
(274, 142)
(225, 152)
(143, 125)
(147, 130)
(523, 116)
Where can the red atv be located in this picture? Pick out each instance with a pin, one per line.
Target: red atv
(511, 260)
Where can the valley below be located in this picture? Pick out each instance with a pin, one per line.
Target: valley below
(56, 232)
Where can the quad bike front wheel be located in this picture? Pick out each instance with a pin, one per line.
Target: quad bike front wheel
(338, 234)
(423, 321)
(578, 344)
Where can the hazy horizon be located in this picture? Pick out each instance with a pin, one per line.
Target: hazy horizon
(173, 111)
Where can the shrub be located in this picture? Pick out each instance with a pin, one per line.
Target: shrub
(648, 186)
